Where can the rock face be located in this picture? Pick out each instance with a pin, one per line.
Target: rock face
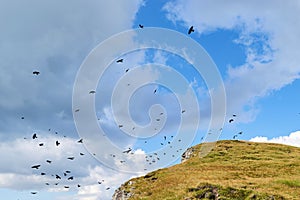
(121, 194)
(187, 154)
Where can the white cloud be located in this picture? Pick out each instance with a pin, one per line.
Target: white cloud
(293, 139)
(269, 32)
(19, 155)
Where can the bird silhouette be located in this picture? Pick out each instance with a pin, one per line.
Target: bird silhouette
(34, 136)
(107, 188)
(80, 141)
(67, 171)
(36, 72)
(154, 91)
(67, 187)
(70, 178)
(141, 26)
(231, 120)
(81, 154)
(57, 143)
(183, 111)
(235, 136)
(33, 192)
(77, 110)
(22, 117)
(241, 132)
(35, 166)
(57, 176)
(43, 174)
(92, 92)
(127, 151)
(126, 70)
(191, 29)
(234, 115)
(48, 161)
(70, 158)
(120, 60)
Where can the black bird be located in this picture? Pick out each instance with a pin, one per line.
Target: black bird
(120, 60)
(71, 158)
(47, 183)
(126, 70)
(48, 161)
(22, 117)
(68, 171)
(57, 176)
(107, 188)
(141, 26)
(165, 137)
(127, 151)
(36, 72)
(120, 126)
(34, 136)
(43, 174)
(78, 185)
(41, 144)
(80, 141)
(35, 166)
(81, 154)
(231, 120)
(154, 91)
(234, 115)
(158, 120)
(77, 110)
(70, 178)
(57, 143)
(55, 183)
(65, 174)
(92, 92)
(66, 187)
(33, 192)
(99, 182)
(183, 111)
(191, 29)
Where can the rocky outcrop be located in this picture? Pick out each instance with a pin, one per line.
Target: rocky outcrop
(187, 154)
(122, 194)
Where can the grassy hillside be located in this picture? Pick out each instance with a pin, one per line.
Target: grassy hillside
(233, 170)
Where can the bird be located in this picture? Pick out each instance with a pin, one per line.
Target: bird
(165, 137)
(120, 126)
(48, 161)
(67, 171)
(77, 110)
(231, 120)
(234, 115)
(22, 117)
(191, 29)
(141, 26)
(43, 174)
(57, 143)
(183, 111)
(34, 136)
(41, 144)
(65, 174)
(107, 188)
(80, 141)
(154, 91)
(92, 92)
(33, 192)
(57, 176)
(36, 72)
(126, 70)
(78, 185)
(120, 60)
(47, 183)
(81, 154)
(70, 178)
(127, 151)
(158, 120)
(71, 158)
(66, 187)
(35, 166)
(241, 132)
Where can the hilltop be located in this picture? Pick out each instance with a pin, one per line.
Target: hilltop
(232, 170)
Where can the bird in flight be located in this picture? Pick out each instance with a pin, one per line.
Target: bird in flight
(70, 158)
(48, 161)
(234, 115)
(70, 178)
(41, 144)
(36, 72)
(34, 136)
(35, 166)
(183, 111)
(57, 143)
(77, 110)
(92, 92)
(57, 176)
(80, 141)
(127, 151)
(120, 60)
(81, 154)
(191, 29)
(22, 117)
(33, 192)
(231, 120)
(154, 91)
(126, 70)
(141, 26)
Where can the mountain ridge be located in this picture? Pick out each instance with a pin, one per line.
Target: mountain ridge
(232, 170)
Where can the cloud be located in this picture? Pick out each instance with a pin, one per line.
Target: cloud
(19, 155)
(269, 33)
(293, 139)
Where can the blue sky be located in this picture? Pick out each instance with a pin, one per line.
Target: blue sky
(253, 44)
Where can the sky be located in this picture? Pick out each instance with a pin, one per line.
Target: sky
(172, 90)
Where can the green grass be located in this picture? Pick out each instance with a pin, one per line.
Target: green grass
(232, 170)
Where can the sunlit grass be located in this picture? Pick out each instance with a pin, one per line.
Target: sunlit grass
(234, 169)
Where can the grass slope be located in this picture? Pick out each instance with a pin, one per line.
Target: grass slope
(232, 170)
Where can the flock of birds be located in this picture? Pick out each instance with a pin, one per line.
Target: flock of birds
(67, 174)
